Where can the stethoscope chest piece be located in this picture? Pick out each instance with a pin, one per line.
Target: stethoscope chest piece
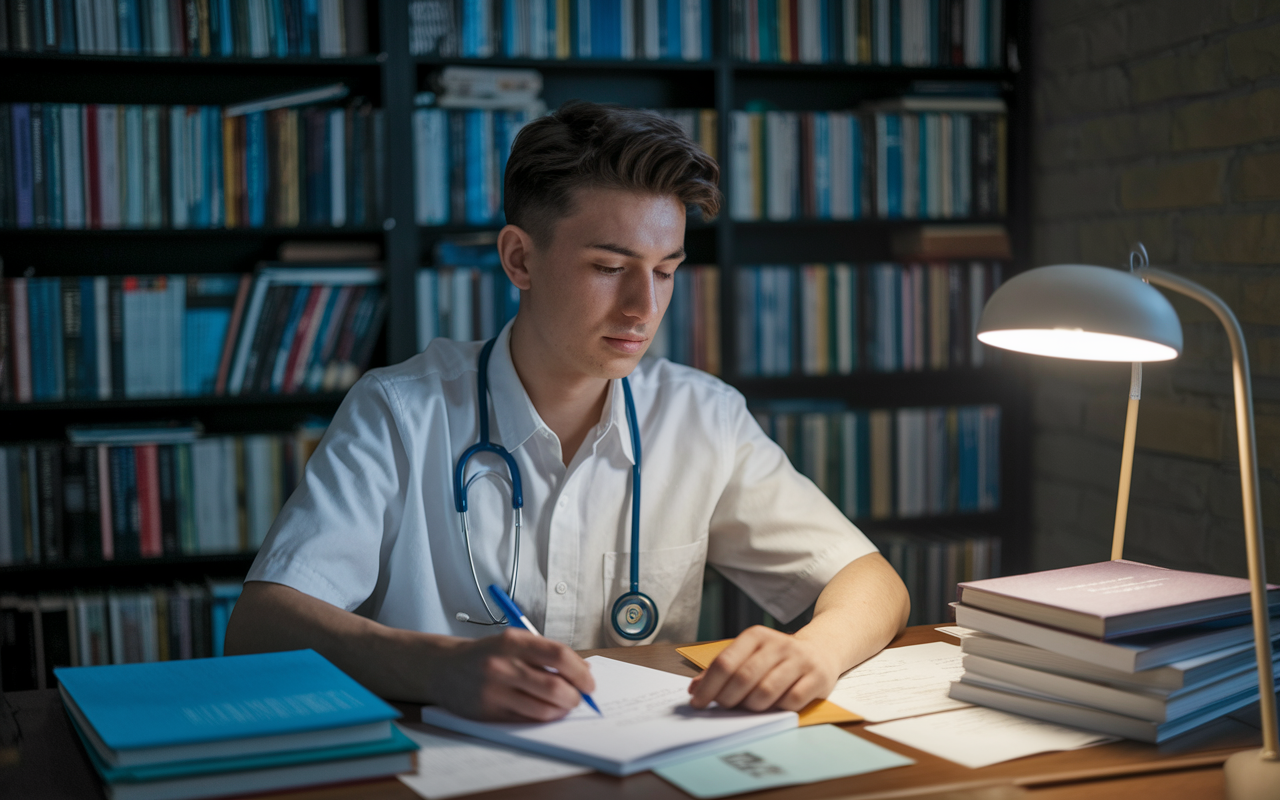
(635, 616)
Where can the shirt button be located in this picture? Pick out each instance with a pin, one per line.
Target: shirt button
(562, 587)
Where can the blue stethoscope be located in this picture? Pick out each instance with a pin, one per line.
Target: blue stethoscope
(634, 614)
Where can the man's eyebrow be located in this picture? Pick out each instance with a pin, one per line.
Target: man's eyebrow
(629, 253)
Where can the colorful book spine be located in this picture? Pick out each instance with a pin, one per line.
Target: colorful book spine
(147, 167)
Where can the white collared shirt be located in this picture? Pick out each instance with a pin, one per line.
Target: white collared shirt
(372, 528)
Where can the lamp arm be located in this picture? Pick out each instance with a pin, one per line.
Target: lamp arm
(1249, 491)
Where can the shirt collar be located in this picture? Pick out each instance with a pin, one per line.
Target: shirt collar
(516, 418)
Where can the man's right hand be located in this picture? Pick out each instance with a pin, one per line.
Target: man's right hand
(502, 678)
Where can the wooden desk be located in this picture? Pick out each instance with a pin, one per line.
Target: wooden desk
(53, 766)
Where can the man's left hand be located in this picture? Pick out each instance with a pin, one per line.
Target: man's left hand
(764, 669)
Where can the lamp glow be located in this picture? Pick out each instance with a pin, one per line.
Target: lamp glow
(1078, 344)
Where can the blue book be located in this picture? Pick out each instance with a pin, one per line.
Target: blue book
(322, 333)
(213, 151)
(706, 30)
(855, 165)
(258, 169)
(213, 708)
(671, 47)
(281, 28)
(130, 31)
(967, 445)
(57, 341)
(53, 164)
(225, 33)
(310, 28)
(822, 164)
(254, 773)
(23, 166)
(767, 24)
(477, 211)
(38, 334)
(606, 37)
(893, 165)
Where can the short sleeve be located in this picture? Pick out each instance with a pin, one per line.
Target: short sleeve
(773, 532)
(328, 539)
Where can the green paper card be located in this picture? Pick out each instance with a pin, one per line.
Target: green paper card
(801, 755)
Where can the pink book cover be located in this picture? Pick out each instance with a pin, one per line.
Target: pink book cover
(1114, 588)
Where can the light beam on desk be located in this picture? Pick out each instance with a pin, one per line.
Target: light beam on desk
(1099, 314)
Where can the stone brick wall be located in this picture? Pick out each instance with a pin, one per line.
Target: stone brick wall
(1159, 121)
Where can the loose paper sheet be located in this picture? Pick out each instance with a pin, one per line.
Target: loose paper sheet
(450, 765)
(901, 682)
(819, 712)
(979, 737)
(818, 753)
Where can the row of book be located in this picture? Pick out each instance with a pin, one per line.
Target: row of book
(137, 497)
(461, 157)
(41, 633)
(255, 28)
(825, 319)
(286, 330)
(893, 463)
(561, 29)
(133, 166)
(908, 33)
(1118, 647)
(847, 165)
(690, 329)
(932, 564)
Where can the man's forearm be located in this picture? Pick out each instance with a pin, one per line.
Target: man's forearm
(390, 662)
(860, 611)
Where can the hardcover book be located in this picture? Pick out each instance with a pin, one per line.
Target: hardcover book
(1113, 598)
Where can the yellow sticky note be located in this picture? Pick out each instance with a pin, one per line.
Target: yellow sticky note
(819, 712)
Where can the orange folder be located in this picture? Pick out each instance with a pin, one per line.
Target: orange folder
(819, 712)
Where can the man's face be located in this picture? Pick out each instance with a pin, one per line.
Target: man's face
(599, 286)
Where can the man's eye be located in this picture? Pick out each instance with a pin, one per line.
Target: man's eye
(666, 276)
(608, 270)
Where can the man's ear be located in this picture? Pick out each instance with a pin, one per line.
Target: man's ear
(515, 246)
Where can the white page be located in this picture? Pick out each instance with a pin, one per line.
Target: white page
(450, 765)
(979, 737)
(901, 682)
(956, 631)
(646, 712)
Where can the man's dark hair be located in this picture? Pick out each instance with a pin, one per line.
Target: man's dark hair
(589, 145)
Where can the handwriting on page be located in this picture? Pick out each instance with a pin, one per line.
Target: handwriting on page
(901, 682)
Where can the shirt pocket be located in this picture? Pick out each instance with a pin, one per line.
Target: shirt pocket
(671, 577)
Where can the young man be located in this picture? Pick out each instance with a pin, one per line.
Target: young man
(369, 562)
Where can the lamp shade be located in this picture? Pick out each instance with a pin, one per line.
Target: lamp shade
(1082, 312)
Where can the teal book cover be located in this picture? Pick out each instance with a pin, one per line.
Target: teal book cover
(205, 700)
(396, 743)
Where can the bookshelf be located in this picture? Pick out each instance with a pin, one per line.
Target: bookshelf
(390, 77)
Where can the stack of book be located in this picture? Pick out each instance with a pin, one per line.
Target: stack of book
(905, 462)
(909, 33)
(836, 319)
(256, 28)
(559, 29)
(914, 157)
(228, 726)
(116, 494)
(1117, 647)
(307, 329)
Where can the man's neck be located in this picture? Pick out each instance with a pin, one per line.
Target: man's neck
(569, 402)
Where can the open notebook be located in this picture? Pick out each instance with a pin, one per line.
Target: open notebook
(647, 722)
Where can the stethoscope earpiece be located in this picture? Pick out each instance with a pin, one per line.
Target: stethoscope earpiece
(634, 615)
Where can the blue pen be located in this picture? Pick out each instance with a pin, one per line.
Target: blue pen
(517, 618)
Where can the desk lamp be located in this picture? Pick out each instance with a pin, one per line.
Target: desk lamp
(1100, 314)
